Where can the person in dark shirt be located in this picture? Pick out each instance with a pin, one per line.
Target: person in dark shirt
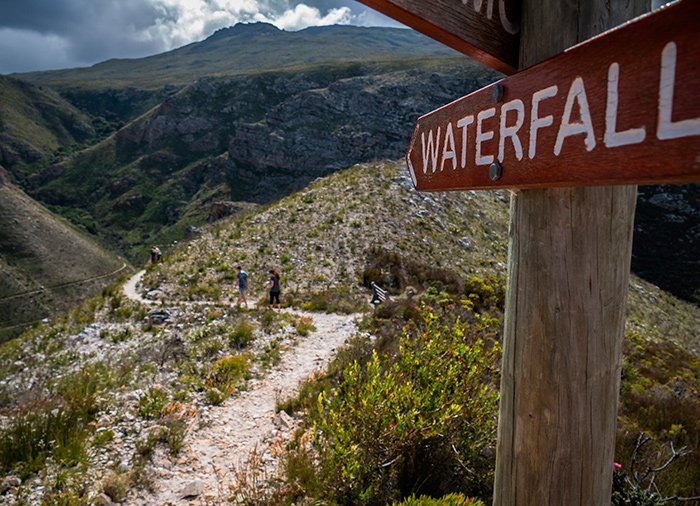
(274, 286)
(242, 280)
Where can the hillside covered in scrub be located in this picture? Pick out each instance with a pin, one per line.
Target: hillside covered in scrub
(46, 264)
(140, 151)
(106, 402)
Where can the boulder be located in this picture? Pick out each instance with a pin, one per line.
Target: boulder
(193, 489)
(158, 317)
(222, 209)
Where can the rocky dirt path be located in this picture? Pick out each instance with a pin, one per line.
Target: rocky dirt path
(204, 469)
(130, 291)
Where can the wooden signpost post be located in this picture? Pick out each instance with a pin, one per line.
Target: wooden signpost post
(486, 30)
(619, 109)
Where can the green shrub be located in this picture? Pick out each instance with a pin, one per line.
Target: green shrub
(122, 335)
(151, 403)
(448, 500)
(214, 396)
(270, 355)
(420, 420)
(304, 325)
(333, 300)
(57, 426)
(659, 396)
(175, 432)
(268, 319)
(48, 428)
(103, 437)
(116, 486)
(242, 335)
(229, 372)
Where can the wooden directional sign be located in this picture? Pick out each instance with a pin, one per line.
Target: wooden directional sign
(486, 30)
(621, 108)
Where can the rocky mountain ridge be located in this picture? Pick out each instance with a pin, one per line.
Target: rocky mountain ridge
(247, 48)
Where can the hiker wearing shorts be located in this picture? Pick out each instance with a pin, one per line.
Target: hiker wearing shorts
(242, 280)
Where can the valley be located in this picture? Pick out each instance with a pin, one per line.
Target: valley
(123, 381)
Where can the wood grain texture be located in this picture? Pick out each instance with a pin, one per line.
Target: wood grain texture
(464, 25)
(594, 142)
(569, 259)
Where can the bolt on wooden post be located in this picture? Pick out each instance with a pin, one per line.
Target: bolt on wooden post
(569, 263)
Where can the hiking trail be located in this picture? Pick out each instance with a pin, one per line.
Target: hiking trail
(204, 469)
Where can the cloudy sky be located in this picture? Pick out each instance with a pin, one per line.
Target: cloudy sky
(49, 34)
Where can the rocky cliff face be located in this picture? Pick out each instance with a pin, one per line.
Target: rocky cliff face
(666, 246)
(252, 138)
(275, 130)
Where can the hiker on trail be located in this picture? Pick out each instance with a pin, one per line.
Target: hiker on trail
(242, 279)
(274, 286)
(155, 254)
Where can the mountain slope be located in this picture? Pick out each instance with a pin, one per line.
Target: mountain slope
(327, 237)
(35, 121)
(45, 265)
(248, 138)
(248, 48)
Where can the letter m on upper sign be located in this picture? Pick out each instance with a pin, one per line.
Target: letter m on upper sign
(486, 30)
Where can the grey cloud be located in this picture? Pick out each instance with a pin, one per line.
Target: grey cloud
(88, 31)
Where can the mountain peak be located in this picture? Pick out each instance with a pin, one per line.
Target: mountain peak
(256, 28)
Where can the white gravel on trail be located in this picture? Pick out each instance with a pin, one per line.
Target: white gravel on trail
(243, 423)
(130, 291)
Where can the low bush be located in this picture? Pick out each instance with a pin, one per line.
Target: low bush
(116, 486)
(422, 422)
(270, 355)
(228, 372)
(53, 428)
(58, 425)
(333, 300)
(151, 403)
(304, 325)
(448, 500)
(659, 395)
(242, 335)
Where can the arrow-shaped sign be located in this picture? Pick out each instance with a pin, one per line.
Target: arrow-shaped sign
(486, 30)
(620, 108)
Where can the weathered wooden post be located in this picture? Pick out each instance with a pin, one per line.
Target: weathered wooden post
(569, 263)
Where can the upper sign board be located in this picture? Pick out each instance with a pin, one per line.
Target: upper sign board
(621, 108)
(486, 30)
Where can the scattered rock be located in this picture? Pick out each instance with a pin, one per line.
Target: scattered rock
(465, 243)
(8, 483)
(193, 489)
(154, 294)
(192, 232)
(104, 500)
(282, 419)
(158, 317)
(221, 210)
